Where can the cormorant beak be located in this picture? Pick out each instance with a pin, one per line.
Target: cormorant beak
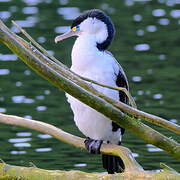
(66, 35)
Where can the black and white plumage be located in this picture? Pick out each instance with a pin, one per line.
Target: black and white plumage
(90, 59)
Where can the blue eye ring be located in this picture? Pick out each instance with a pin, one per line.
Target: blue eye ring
(78, 28)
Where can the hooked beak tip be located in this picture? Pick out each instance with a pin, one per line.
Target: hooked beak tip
(57, 39)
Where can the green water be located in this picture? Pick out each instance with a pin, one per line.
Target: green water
(147, 46)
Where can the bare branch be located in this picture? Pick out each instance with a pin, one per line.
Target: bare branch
(124, 153)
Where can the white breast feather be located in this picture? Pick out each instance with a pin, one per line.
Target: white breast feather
(88, 62)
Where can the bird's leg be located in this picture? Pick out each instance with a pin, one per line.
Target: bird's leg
(93, 146)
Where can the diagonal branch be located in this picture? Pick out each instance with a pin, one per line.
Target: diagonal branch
(124, 153)
(61, 68)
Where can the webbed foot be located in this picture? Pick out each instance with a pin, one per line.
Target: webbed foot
(93, 146)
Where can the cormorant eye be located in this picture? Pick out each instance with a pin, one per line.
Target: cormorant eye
(76, 28)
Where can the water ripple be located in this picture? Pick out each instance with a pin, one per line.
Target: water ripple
(137, 17)
(140, 32)
(5, 0)
(106, 7)
(27, 117)
(22, 145)
(175, 13)
(40, 97)
(135, 155)
(28, 22)
(158, 12)
(152, 148)
(164, 21)
(173, 120)
(44, 136)
(2, 110)
(136, 78)
(4, 71)
(18, 152)
(140, 92)
(69, 13)
(30, 10)
(162, 57)
(61, 29)
(23, 134)
(63, 2)
(41, 39)
(32, 2)
(41, 108)
(80, 165)
(8, 57)
(27, 72)
(13, 8)
(19, 83)
(47, 92)
(151, 28)
(142, 47)
(22, 99)
(5, 15)
(157, 96)
(2, 99)
(43, 149)
(19, 140)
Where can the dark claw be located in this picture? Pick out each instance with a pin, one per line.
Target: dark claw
(93, 146)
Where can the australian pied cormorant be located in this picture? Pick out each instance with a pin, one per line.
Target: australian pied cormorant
(90, 58)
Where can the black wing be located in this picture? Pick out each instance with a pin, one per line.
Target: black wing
(121, 81)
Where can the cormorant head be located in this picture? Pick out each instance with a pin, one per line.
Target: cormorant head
(93, 22)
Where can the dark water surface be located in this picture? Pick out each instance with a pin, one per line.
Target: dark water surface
(147, 45)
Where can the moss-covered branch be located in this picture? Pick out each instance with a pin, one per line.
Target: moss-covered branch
(64, 79)
(9, 172)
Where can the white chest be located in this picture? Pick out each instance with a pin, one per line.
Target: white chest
(88, 62)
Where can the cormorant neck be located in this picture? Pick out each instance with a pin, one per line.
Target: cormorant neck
(86, 42)
(84, 51)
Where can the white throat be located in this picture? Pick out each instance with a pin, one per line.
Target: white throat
(84, 52)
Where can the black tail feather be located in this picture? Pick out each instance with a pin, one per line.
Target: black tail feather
(112, 164)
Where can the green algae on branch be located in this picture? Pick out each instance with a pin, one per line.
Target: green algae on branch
(32, 173)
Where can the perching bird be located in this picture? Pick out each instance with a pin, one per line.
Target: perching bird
(91, 59)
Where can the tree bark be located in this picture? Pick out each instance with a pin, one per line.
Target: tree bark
(9, 172)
